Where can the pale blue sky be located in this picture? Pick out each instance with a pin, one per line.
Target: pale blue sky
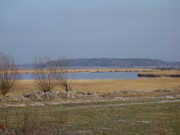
(90, 28)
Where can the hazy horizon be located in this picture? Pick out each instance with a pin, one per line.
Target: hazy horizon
(90, 29)
(102, 58)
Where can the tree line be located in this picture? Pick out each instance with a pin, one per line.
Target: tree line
(47, 74)
(113, 62)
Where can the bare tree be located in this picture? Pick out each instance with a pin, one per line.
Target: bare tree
(49, 74)
(62, 74)
(44, 74)
(8, 73)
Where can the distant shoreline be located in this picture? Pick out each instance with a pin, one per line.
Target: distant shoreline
(141, 72)
(32, 71)
(160, 73)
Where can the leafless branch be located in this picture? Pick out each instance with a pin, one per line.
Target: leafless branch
(62, 74)
(44, 74)
(8, 73)
(50, 74)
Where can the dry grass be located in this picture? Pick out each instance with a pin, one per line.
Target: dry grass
(118, 85)
(28, 86)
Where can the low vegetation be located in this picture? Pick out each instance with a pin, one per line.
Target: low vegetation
(160, 73)
(157, 117)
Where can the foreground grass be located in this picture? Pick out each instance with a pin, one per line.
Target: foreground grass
(140, 85)
(140, 117)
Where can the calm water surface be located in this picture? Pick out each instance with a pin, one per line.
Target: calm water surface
(96, 75)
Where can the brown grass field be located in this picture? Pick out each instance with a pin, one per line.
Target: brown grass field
(108, 86)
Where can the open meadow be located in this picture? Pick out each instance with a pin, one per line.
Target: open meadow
(143, 86)
(150, 117)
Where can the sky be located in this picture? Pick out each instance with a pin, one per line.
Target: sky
(90, 29)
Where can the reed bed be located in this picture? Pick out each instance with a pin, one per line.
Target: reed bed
(160, 73)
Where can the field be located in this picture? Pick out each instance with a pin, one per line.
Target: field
(152, 117)
(142, 86)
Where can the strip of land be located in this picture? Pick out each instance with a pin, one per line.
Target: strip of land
(160, 73)
(141, 72)
(31, 71)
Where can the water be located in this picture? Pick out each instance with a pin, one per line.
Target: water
(95, 75)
